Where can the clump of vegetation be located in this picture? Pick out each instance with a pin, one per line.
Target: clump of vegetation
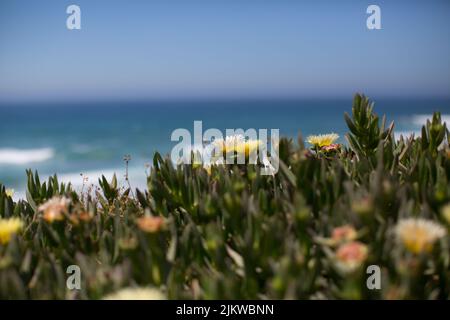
(227, 232)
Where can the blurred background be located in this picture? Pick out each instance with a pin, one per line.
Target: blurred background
(77, 101)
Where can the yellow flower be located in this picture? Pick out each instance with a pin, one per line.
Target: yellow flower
(322, 140)
(248, 147)
(363, 206)
(54, 209)
(236, 143)
(418, 235)
(9, 227)
(445, 212)
(350, 256)
(9, 192)
(208, 168)
(136, 294)
(150, 224)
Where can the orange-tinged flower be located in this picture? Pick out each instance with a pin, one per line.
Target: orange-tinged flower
(150, 224)
(83, 216)
(54, 209)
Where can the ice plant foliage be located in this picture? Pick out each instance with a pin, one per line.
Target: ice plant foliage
(217, 231)
(418, 235)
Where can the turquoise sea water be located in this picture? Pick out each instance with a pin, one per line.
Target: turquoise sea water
(92, 138)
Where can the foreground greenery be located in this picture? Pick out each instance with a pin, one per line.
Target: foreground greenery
(227, 232)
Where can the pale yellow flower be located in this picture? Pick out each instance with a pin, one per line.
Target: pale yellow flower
(208, 168)
(248, 147)
(236, 143)
(363, 206)
(445, 212)
(9, 192)
(136, 294)
(54, 209)
(350, 256)
(9, 227)
(322, 140)
(229, 144)
(418, 235)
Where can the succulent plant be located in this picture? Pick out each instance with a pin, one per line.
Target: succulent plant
(308, 232)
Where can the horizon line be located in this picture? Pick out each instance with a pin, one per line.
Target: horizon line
(71, 101)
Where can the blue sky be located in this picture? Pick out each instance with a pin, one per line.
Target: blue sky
(222, 48)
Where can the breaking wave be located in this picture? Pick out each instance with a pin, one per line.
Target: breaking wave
(14, 156)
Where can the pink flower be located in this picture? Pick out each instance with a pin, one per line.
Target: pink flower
(350, 256)
(331, 147)
(344, 233)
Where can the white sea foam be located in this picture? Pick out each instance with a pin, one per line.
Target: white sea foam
(421, 119)
(136, 176)
(76, 179)
(23, 156)
(406, 134)
(415, 122)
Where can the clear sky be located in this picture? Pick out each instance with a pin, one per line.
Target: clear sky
(222, 48)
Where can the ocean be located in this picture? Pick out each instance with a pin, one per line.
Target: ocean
(92, 138)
